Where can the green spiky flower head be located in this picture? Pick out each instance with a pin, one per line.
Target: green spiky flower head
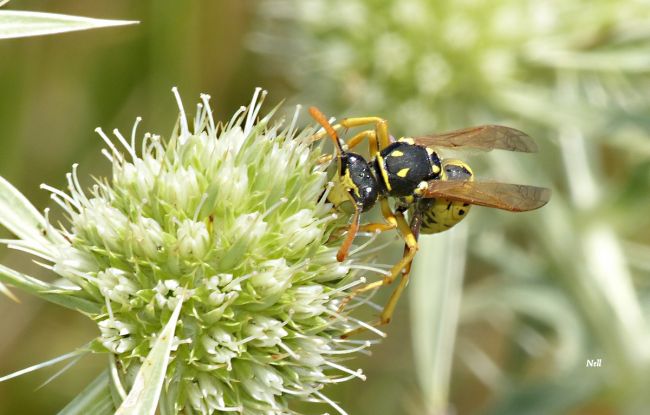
(224, 230)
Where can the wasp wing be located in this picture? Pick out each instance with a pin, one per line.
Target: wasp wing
(506, 196)
(484, 137)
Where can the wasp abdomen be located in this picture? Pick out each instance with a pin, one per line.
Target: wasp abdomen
(440, 214)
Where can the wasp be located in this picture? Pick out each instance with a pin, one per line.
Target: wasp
(436, 193)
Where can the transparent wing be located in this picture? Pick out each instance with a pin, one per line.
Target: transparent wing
(484, 137)
(506, 196)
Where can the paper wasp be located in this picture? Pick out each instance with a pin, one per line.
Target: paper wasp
(437, 192)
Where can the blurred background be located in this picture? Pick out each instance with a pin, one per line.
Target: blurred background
(505, 311)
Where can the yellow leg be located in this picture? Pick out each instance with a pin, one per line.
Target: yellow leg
(387, 212)
(411, 244)
(403, 265)
(381, 128)
(371, 135)
(373, 227)
(381, 137)
(416, 224)
(381, 227)
(368, 287)
(368, 227)
(325, 158)
(323, 133)
(354, 228)
(393, 222)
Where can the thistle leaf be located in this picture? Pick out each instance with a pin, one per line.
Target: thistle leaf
(15, 24)
(143, 397)
(46, 291)
(19, 216)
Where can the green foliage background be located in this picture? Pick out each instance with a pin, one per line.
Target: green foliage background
(505, 310)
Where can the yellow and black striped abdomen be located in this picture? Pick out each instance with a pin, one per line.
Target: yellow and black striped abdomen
(442, 214)
(439, 215)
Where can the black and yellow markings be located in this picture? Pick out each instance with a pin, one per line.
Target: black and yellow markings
(349, 184)
(419, 191)
(382, 169)
(408, 199)
(434, 166)
(436, 194)
(440, 214)
(403, 166)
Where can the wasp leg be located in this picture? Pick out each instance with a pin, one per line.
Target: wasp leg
(366, 228)
(400, 268)
(368, 287)
(378, 139)
(325, 158)
(410, 234)
(351, 143)
(411, 247)
(416, 223)
(381, 128)
(376, 227)
(387, 212)
(391, 218)
(371, 135)
(353, 229)
(323, 133)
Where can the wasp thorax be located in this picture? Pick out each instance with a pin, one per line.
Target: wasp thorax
(403, 166)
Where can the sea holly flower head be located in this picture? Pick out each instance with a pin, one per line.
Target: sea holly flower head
(218, 241)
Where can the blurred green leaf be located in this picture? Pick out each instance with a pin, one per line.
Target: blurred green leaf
(536, 300)
(435, 296)
(25, 23)
(95, 399)
(558, 396)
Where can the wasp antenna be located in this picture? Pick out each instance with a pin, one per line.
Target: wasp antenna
(322, 120)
